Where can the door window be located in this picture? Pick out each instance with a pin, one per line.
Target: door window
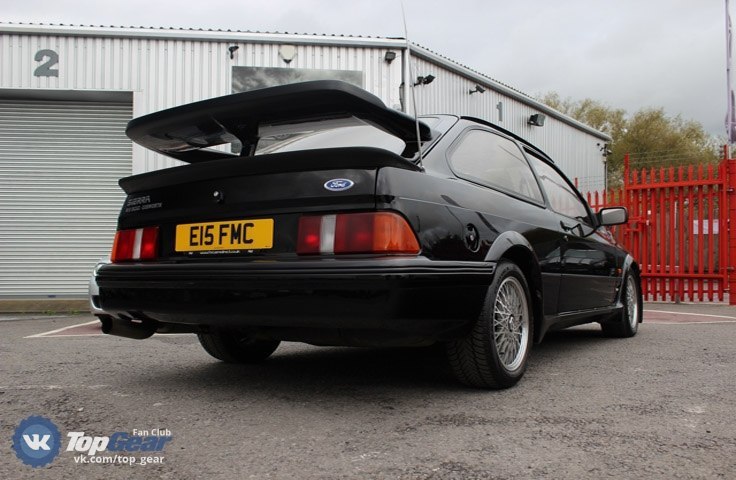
(561, 195)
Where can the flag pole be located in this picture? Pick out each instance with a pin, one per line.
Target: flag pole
(730, 120)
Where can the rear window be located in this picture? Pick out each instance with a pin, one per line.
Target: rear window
(354, 136)
(333, 133)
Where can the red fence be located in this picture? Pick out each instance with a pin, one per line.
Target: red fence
(678, 229)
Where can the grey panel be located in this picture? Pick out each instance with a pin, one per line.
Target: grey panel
(59, 199)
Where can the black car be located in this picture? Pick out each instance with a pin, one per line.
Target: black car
(322, 216)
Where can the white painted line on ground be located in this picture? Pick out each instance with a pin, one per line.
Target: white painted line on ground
(9, 318)
(55, 333)
(665, 322)
(691, 314)
(71, 335)
(59, 330)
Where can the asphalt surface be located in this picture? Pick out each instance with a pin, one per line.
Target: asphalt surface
(659, 405)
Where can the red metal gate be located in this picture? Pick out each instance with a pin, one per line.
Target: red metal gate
(678, 229)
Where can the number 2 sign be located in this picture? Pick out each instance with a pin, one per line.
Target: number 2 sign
(49, 59)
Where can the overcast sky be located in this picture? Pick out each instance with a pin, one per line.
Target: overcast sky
(626, 53)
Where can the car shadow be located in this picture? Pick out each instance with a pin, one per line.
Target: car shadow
(572, 338)
(326, 368)
(335, 371)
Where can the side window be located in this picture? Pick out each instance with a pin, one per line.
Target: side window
(489, 159)
(562, 197)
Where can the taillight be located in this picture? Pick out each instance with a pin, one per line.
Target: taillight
(310, 234)
(369, 232)
(135, 244)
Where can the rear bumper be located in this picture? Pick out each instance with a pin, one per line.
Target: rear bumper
(401, 295)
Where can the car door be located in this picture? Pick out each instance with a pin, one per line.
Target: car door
(590, 274)
(588, 262)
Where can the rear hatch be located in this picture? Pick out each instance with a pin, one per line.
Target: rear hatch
(250, 206)
(279, 154)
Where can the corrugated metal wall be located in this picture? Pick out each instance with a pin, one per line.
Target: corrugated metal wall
(59, 198)
(164, 73)
(167, 72)
(573, 150)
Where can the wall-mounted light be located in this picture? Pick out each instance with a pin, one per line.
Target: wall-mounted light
(477, 89)
(426, 80)
(390, 56)
(287, 53)
(232, 49)
(537, 120)
(605, 151)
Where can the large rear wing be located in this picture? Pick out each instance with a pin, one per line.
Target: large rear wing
(186, 132)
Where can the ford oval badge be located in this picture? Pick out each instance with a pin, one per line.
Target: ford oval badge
(339, 184)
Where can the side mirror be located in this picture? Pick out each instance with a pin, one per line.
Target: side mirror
(613, 216)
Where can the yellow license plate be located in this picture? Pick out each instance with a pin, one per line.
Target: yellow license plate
(230, 235)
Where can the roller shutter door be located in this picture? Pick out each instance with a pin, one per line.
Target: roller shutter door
(59, 199)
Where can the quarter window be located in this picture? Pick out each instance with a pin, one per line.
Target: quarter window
(489, 159)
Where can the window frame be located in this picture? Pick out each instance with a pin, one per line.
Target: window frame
(591, 217)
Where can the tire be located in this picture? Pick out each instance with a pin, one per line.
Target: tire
(492, 355)
(631, 316)
(234, 348)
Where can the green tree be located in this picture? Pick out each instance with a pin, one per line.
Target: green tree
(650, 136)
(590, 112)
(654, 139)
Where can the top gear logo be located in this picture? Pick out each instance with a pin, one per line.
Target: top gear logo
(36, 441)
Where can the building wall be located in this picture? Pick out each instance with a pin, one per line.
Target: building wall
(577, 152)
(138, 71)
(163, 73)
(145, 73)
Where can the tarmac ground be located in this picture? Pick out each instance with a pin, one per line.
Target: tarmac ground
(658, 405)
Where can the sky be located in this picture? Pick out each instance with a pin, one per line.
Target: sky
(629, 54)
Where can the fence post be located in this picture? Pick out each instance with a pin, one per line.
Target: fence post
(731, 194)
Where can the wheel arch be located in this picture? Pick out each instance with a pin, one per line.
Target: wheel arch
(512, 246)
(630, 265)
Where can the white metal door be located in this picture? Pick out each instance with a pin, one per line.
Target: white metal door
(59, 199)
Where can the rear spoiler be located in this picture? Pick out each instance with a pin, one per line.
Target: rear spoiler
(186, 131)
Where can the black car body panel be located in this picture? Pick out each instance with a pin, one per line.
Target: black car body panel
(277, 163)
(407, 297)
(463, 228)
